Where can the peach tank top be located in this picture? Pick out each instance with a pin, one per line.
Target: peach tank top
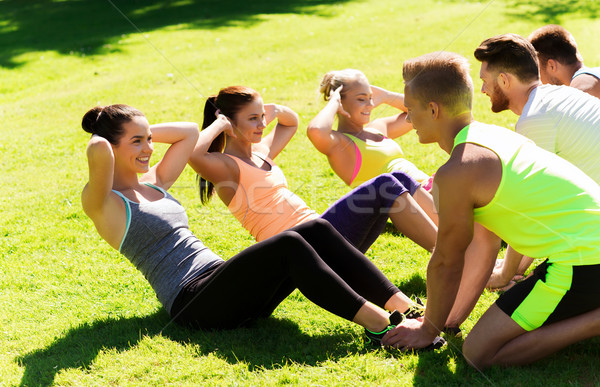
(263, 203)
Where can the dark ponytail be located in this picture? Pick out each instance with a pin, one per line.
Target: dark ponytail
(210, 115)
(228, 102)
(107, 121)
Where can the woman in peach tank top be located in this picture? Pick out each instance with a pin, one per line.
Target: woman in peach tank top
(234, 160)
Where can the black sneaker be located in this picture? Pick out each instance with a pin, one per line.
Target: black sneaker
(416, 309)
(374, 338)
(438, 342)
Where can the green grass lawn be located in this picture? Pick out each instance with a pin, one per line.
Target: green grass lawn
(74, 312)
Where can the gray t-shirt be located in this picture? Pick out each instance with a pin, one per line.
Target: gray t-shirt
(593, 71)
(159, 243)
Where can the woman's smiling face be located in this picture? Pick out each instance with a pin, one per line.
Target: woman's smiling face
(357, 100)
(135, 146)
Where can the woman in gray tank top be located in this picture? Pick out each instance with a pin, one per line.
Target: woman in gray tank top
(136, 216)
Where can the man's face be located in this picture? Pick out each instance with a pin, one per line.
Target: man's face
(491, 88)
(418, 115)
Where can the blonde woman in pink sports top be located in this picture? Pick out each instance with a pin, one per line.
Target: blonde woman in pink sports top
(361, 148)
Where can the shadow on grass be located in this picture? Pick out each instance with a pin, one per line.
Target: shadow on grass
(447, 367)
(391, 229)
(435, 368)
(414, 286)
(269, 343)
(545, 11)
(81, 27)
(552, 11)
(574, 365)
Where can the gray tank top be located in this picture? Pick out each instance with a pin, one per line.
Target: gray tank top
(159, 243)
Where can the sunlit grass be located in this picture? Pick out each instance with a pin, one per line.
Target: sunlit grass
(77, 313)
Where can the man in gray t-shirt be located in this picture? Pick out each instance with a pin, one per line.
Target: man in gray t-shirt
(560, 60)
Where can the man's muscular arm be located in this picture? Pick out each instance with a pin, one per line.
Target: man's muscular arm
(459, 186)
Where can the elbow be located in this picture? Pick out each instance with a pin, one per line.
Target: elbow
(312, 131)
(195, 135)
(295, 119)
(314, 135)
(294, 123)
(193, 131)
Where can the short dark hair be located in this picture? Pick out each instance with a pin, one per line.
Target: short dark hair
(441, 77)
(555, 42)
(510, 53)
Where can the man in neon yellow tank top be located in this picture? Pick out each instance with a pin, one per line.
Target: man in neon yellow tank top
(539, 203)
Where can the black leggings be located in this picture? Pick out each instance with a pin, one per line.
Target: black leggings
(312, 257)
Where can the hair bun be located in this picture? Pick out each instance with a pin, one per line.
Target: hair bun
(326, 84)
(88, 123)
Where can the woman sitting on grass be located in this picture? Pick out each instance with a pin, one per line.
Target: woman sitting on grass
(234, 159)
(137, 216)
(361, 149)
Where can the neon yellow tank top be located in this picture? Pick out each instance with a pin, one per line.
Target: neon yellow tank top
(544, 205)
(376, 157)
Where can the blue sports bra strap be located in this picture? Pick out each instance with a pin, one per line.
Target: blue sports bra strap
(128, 210)
(156, 188)
(121, 195)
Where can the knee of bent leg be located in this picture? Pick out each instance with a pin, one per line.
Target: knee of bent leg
(385, 180)
(322, 225)
(291, 240)
(387, 189)
(408, 182)
(474, 354)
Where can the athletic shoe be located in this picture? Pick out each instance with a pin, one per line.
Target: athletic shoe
(374, 338)
(438, 342)
(416, 309)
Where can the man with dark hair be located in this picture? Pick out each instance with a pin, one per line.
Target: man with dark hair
(560, 119)
(529, 197)
(560, 60)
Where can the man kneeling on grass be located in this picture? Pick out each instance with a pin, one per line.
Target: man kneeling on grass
(539, 203)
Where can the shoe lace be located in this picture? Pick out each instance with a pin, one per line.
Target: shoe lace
(416, 309)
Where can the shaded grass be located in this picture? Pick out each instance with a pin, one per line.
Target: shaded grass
(89, 27)
(554, 11)
(548, 11)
